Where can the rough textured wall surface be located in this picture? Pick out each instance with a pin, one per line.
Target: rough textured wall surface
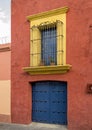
(79, 55)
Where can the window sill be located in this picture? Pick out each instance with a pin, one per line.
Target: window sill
(47, 69)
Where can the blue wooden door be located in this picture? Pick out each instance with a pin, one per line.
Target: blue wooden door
(49, 102)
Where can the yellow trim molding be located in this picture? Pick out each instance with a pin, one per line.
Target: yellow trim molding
(48, 13)
(47, 69)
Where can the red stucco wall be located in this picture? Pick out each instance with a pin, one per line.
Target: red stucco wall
(79, 55)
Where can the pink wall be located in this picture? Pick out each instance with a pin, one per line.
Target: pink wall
(5, 62)
(79, 55)
(5, 82)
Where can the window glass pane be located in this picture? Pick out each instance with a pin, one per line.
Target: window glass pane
(48, 45)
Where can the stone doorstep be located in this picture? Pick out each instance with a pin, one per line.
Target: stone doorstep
(54, 126)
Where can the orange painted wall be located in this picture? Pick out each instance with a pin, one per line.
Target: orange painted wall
(79, 55)
(5, 82)
(5, 62)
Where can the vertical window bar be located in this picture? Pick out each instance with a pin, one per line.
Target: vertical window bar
(59, 43)
(42, 40)
(54, 56)
(35, 44)
(49, 37)
(37, 53)
(62, 43)
(31, 53)
(45, 47)
(59, 48)
(52, 48)
(55, 49)
(52, 36)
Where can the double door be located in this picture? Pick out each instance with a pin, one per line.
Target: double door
(49, 102)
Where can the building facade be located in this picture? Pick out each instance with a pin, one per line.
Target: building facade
(42, 32)
(5, 83)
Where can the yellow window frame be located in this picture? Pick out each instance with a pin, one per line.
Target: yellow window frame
(36, 20)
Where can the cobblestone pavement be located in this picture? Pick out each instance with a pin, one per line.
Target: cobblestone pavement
(33, 126)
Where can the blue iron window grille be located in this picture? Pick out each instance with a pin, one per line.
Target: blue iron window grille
(49, 45)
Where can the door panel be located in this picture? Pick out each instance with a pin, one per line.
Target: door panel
(50, 102)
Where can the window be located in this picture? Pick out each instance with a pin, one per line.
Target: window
(49, 45)
(48, 42)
